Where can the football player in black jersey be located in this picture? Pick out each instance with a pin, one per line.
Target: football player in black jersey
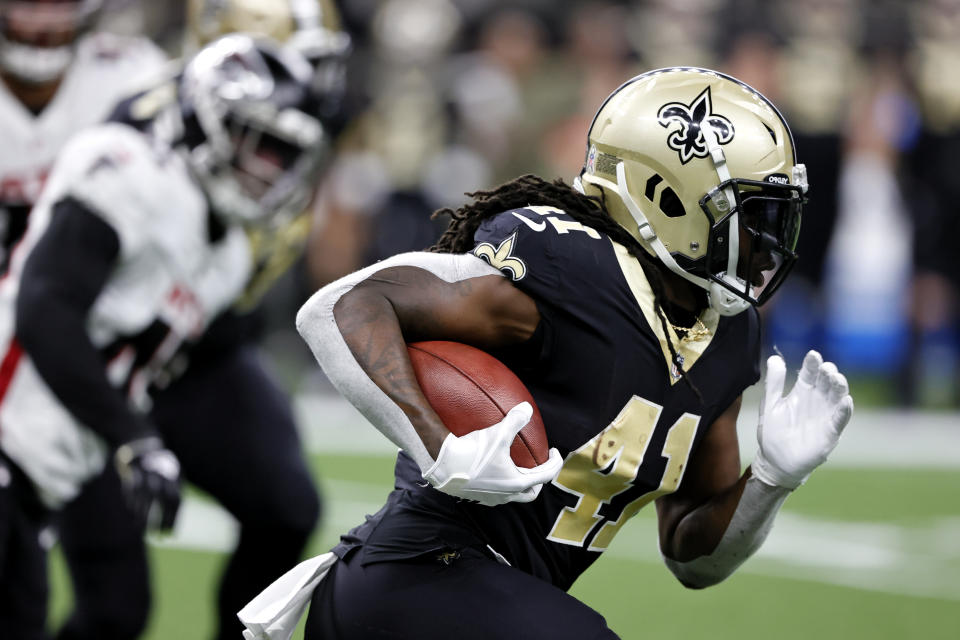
(627, 305)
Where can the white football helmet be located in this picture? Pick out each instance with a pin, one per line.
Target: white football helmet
(701, 169)
(312, 27)
(251, 131)
(38, 37)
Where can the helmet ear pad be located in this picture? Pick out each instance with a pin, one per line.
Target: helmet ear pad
(660, 196)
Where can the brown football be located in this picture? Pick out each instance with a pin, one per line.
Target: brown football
(470, 389)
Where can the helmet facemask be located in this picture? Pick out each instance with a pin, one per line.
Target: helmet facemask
(752, 245)
(261, 146)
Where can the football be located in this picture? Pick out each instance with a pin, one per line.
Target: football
(470, 389)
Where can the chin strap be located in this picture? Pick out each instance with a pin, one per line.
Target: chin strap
(578, 185)
(721, 300)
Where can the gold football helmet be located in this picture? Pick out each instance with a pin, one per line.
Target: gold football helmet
(312, 27)
(701, 169)
(281, 20)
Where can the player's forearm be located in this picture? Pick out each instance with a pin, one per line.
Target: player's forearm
(51, 315)
(377, 340)
(47, 330)
(369, 325)
(708, 545)
(796, 434)
(318, 327)
(700, 529)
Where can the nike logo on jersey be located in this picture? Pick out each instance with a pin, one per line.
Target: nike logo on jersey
(536, 226)
(560, 226)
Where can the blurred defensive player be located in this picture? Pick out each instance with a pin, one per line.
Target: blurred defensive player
(225, 418)
(57, 78)
(627, 305)
(136, 244)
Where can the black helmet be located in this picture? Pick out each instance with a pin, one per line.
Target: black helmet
(253, 134)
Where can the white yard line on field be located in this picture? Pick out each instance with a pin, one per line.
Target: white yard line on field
(921, 560)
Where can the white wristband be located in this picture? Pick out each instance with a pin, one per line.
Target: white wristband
(748, 528)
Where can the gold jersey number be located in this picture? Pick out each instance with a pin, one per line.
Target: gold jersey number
(608, 464)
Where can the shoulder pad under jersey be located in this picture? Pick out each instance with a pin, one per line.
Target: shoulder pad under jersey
(539, 247)
(132, 183)
(134, 55)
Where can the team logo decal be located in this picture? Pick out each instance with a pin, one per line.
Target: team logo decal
(499, 257)
(592, 159)
(675, 367)
(689, 140)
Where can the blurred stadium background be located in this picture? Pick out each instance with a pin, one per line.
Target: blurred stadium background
(449, 96)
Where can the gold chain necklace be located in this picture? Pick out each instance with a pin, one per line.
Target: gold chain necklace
(697, 332)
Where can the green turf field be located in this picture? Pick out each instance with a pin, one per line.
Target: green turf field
(857, 553)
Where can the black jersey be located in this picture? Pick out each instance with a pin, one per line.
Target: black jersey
(612, 402)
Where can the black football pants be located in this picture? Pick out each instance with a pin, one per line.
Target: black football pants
(23, 561)
(233, 431)
(472, 597)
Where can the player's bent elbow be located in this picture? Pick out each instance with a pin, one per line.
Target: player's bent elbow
(697, 574)
(326, 306)
(315, 318)
(699, 583)
(312, 311)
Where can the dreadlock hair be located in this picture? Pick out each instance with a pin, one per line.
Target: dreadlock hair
(588, 210)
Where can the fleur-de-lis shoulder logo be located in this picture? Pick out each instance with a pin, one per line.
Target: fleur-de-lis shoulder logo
(689, 140)
(500, 257)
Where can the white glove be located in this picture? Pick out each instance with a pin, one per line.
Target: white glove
(798, 432)
(477, 466)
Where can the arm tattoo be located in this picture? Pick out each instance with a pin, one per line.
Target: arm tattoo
(369, 325)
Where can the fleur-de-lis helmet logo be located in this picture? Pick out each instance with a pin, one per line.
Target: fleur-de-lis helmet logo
(689, 140)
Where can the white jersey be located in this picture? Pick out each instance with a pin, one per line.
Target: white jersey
(106, 68)
(168, 275)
